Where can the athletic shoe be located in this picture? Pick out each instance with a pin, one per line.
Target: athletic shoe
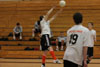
(57, 48)
(14, 37)
(57, 61)
(62, 48)
(20, 37)
(42, 66)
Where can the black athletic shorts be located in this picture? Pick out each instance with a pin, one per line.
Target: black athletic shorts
(45, 42)
(17, 35)
(37, 31)
(69, 64)
(90, 51)
(59, 44)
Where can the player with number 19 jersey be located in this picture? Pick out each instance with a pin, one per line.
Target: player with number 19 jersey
(77, 38)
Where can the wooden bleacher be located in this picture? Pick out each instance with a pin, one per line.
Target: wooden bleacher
(37, 54)
(28, 12)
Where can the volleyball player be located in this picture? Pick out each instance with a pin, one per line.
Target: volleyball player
(77, 43)
(45, 36)
(91, 41)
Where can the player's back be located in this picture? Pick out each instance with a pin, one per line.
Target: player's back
(76, 39)
(76, 35)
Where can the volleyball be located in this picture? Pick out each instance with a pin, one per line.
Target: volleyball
(62, 3)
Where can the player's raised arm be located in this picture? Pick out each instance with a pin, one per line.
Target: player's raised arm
(48, 13)
(61, 9)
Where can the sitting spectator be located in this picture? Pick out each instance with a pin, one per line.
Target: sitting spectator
(60, 41)
(36, 30)
(17, 32)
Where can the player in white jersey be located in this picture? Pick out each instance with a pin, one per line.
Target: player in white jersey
(45, 36)
(77, 43)
(91, 41)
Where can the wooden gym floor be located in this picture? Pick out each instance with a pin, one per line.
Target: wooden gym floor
(37, 63)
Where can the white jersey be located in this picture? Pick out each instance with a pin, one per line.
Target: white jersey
(45, 27)
(92, 37)
(77, 38)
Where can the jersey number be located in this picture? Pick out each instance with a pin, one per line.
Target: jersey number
(73, 39)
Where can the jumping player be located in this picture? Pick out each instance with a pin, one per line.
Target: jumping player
(45, 36)
(91, 41)
(77, 43)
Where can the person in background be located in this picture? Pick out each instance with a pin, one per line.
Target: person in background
(17, 32)
(91, 41)
(37, 30)
(60, 41)
(46, 36)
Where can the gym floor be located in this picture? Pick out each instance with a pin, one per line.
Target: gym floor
(37, 63)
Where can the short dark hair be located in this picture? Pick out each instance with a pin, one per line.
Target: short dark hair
(41, 17)
(17, 23)
(78, 18)
(91, 23)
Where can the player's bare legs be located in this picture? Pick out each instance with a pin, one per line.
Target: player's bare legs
(33, 34)
(20, 36)
(62, 44)
(53, 55)
(89, 59)
(44, 58)
(14, 36)
(57, 47)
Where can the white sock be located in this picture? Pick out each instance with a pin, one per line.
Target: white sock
(20, 37)
(14, 37)
(57, 48)
(61, 47)
(33, 35)
(40, 48)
